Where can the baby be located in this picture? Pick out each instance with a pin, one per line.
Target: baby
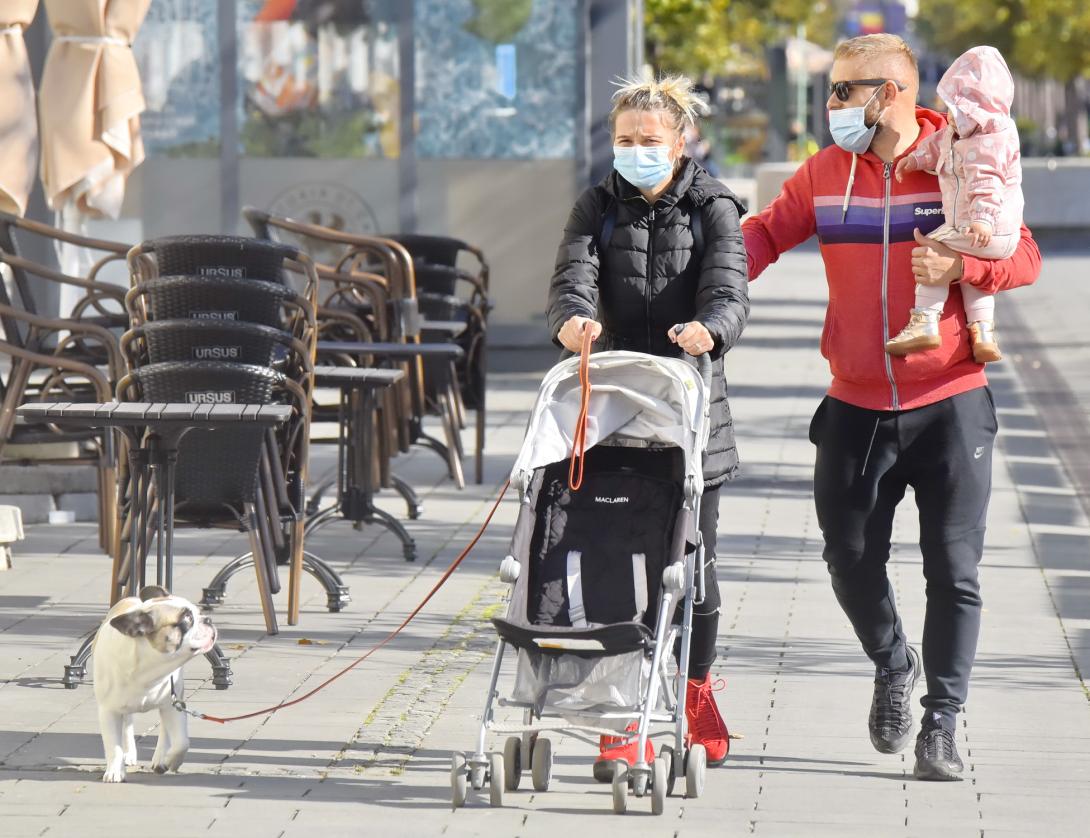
(976, 157)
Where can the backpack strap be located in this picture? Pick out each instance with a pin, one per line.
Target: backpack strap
(605, 229)
(696, 223)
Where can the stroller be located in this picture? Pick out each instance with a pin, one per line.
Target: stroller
(597, 576)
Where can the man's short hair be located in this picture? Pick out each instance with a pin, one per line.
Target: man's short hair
(881, 45)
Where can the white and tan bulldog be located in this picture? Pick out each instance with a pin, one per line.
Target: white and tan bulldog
(140, 648)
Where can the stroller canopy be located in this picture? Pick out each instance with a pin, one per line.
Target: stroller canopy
(634, 396)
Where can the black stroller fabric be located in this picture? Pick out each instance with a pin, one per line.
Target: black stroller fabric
(620, 512)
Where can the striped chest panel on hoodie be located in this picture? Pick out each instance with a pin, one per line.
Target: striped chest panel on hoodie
(864, 220)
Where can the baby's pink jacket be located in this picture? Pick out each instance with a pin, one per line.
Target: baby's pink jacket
(979, 172)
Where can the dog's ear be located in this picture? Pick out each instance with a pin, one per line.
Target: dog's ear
(134, 623)
(152, 591)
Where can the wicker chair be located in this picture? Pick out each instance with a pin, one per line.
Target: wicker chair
(70, 359)
(193, 291)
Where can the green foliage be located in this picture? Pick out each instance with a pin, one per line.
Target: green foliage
(499, 21)
(310, 134)
(1039, 38)
(707, 36)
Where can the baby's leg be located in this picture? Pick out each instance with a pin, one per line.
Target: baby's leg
(978, 305)
(934, 296)
(1000, 246)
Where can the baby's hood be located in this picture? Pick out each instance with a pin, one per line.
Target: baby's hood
(979, 89)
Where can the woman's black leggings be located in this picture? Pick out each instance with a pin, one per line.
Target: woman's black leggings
(706, 614)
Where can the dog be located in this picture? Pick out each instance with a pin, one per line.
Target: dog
(138, 653)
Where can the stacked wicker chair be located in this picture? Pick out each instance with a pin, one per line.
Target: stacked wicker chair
(232, 320)
(389, 313)
(452, 285)
(72, 359)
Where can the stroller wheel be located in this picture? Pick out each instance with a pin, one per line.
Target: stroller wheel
(640, 782)
(528, 742)
(458, 780)
(477, 777)
(620, 787)
(542, 765)
(495, 780)
(512, 763)
(666, 753)
(659, 785)
(696, 766)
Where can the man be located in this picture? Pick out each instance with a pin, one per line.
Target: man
(926, 420)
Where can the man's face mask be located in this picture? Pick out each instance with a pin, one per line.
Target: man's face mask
(643, 166)
(849, 126)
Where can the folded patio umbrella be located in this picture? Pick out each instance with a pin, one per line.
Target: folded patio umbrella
(18, 126)
(89, 103)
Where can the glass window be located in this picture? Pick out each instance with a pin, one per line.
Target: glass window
(319, 78)
(497, 78)
(177, 50)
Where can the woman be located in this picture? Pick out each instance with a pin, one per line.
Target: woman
(654, 246)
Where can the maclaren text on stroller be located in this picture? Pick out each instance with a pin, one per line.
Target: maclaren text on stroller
(597, 576)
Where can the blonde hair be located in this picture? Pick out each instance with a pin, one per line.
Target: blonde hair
(877, 46)
(673, 95)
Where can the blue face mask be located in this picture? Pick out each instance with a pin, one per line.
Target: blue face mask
(643, 166)
(849, 127)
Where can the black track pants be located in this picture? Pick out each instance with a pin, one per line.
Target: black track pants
(706, 614)
(865, 461)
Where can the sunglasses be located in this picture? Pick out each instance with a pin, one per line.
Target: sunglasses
(843, 89)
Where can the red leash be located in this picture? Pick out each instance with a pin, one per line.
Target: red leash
(579, 438)
(446, 575)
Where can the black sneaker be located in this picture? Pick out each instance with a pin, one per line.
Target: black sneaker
(890, 718)
(937, 755)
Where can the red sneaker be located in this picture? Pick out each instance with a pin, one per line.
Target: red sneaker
(620, 747)
(706, 725)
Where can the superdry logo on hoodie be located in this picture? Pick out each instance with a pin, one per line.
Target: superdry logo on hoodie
(865, 219)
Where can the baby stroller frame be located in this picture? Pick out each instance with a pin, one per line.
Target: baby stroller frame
(660, 696)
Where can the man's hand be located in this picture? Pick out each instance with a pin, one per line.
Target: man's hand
(933, 263)
(981, 231)
(571, 333)
(693, 337)
(904, 166)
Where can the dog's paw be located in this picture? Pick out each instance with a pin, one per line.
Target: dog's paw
(114, 774)
(130, 759)
(174, 760)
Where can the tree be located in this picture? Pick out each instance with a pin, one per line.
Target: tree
(696, 37)
(1039, 38)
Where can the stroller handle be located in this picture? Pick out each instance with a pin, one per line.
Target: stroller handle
(702, 364)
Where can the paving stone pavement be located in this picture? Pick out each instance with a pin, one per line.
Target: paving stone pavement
(370, 755)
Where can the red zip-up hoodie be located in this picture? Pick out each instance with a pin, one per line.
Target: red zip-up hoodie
(864, 221)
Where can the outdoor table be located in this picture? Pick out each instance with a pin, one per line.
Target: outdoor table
(359, 389)
(154, 432)
(403, 352)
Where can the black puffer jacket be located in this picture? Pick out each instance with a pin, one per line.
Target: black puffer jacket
(643, 284)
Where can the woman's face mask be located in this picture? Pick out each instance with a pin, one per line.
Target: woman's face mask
(643, 166)
(646, 148)
(849, 126)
